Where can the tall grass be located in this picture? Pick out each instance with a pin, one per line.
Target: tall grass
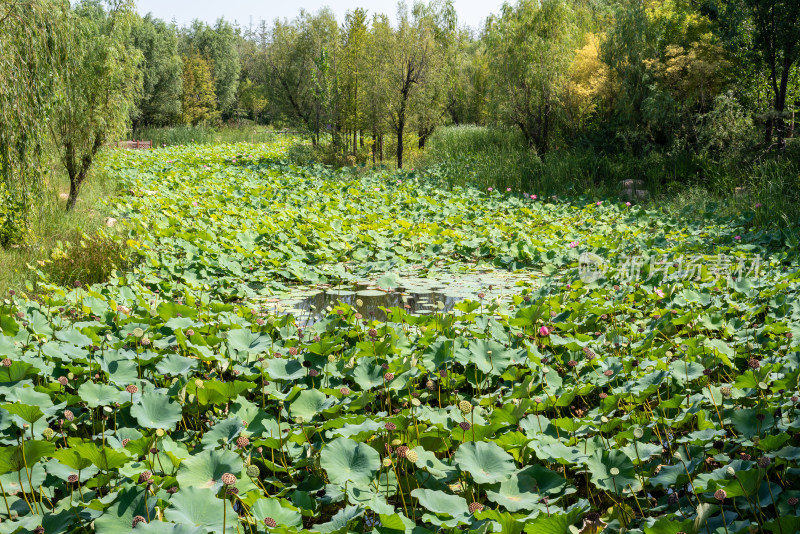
(767, 190)
(188, 135)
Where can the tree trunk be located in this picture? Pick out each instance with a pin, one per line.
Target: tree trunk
(401, 126)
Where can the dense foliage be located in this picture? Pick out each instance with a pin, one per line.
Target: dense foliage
(174, 399)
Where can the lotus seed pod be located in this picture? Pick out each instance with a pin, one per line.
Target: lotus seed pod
(160, 432)
(299, 420)
(464, 425)
(638, 433)
(475, 507)
(331, 358)
(63, 380)
(38, 530)
(390, 426)
(387, 462)
(136, 520)
(614, 471)
(430, 385)
(412, 456)
(228, 479)
(401, 451)
(415, 402)
(396, 443)
(198, 383)
(132, 388)
(72, 479)
(68, 415)
(270, 523)
(465, 407)
(592, 517)
(388, 377)
(359, 303)
(138, 332)
(720, 494)
(344, 391)
(242, 442)
(792, 501)
(764, 462)
(145, 476)
(48, 433)
(6, 362)
(253, 471)
(125, 442)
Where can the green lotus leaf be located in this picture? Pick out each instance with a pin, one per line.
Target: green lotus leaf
(310, 403)
(156, 410)
(223, 433)
(200, 507)
(160, 527)
(487, 462)
(441, 503)
(97, 394)
(175, 365)
(246, 341)
(345, 460)
(283, 514)
(119, 516)
(285, 369)
(205, 469)
(340, 520)
(29, 414)
(613, 471)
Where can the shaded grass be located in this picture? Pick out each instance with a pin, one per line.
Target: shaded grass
(67, 246)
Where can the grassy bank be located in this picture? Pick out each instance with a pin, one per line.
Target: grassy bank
(203, 135)
(767, 188)
(69, 246)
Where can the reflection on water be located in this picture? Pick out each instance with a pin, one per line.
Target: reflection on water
(312, 309)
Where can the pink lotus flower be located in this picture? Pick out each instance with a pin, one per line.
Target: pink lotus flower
(599, 202)
(738, 238)
(628, 204)
(508, 189)
(758, 205)
(569, 286)
(574, 244)
(194, 203)
(660, 293)
(489, 189)
(544, 331)
(533, 197)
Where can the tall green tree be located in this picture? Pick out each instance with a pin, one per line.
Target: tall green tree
(409, 64)
(162, 72)
(531, 46)
(301, 56)
(776, 39)
(219, 43)
(99, 79)
(198, 102)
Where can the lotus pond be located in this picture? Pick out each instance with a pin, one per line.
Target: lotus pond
(655, 393)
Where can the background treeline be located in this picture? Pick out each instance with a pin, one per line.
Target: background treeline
(717, 77)
(551, 95)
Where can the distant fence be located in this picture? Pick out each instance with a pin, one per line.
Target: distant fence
(132, 144)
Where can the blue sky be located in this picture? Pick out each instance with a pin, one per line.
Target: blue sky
(470, 12)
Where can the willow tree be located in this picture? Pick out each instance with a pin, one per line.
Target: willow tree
(32, 33)
(99, 79)
(531, 46)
